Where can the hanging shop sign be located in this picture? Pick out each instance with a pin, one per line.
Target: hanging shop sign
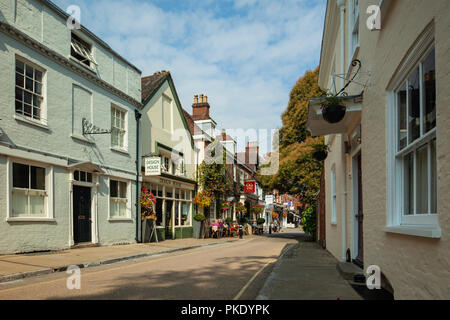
(152, 166)
(250, 186)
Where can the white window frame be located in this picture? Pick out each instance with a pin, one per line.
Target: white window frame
(49, 197)
(417, 224)
(333, 196)
(353, 28)
(79, 48)
(116, 109)
(128, 201)
(42, 121)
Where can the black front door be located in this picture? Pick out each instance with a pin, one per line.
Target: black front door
(169, 204)
(82, 230)
(360, 258)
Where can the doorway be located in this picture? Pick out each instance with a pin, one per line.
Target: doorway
(359, 216)
(168, 214)
(82, 221)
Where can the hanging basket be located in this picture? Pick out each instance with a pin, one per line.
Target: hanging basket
(333, 113)
(320, 155)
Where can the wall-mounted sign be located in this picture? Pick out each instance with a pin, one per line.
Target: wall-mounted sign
(269, 199)
(152, 166)
(250, 186)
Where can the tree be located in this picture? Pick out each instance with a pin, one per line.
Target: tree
(298, 173)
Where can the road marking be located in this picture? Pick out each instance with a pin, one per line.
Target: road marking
(250, 281)
(163, 256)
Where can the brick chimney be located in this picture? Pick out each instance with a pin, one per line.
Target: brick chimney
(251, 154)
(200, 108)
(224, 135)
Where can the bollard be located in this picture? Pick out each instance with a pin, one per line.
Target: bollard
(240, 232)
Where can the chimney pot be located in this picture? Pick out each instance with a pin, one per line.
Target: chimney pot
(196, 99)
(201, 98)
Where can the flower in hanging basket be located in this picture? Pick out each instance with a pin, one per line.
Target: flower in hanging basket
(147, 201)
(257, 209)
(240, 208)
(203, 199)
(274, 215)
(225, 205)
(332, 109)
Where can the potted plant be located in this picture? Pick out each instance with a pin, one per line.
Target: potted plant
(320, 152)
(333, 110)
(148, 214)
(198, 225)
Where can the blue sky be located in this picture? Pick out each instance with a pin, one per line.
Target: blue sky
(245, 55)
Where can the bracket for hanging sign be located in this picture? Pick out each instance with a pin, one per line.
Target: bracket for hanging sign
(89, 128)
(360, 78)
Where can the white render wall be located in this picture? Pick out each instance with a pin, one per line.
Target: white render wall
(49, 28)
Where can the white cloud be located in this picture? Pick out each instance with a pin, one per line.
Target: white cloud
(246, 63)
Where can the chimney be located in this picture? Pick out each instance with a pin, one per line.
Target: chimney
(200, 108)
(224, 135)
(251, 154)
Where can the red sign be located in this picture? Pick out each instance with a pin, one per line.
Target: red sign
(249, 186)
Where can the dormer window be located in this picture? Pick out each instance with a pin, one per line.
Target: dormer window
(82, 51)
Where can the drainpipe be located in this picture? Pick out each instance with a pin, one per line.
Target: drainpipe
(341, 4)
(138, 116)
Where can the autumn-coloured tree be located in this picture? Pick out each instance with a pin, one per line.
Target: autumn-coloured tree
(298, 173)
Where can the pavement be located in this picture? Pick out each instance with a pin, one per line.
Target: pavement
(305, 271)
(19, 266)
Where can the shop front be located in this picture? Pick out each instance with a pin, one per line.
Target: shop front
(174, 206)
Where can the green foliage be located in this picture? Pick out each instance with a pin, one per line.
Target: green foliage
(299, 173)
(332, 101)
(229, 220)
(260, 221)
(199, 217)
(309, 220)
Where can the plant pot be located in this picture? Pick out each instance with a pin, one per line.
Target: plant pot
(320, 155)
(197, 226)
(333, 113)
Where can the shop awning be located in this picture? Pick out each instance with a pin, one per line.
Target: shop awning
(319, 127)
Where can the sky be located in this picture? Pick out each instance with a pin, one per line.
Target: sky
(245, 55)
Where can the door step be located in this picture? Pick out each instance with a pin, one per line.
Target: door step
(85, 245)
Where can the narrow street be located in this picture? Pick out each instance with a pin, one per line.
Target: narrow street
(226, 271)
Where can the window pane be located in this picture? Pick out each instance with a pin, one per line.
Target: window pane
(38, 75)
(76, 175)
(29, 71)
(159, 212)
(408, 184)
(89, 177)
(429, 80)
(113, 185)
(27, 97)
(20, 67)
(37, 205)
(433, 178)
(38, 88)
(123, 190)
(37, 178)
(177, 213)
(83, 176)
(19, 107)
(185, 213)
(422, 180)
(21, 176)
(20, 203)
(19, 80)
(27, 110)
(29, 84)
(177, 194)
(114, 208)
(122, 209)
(403, 130)
(414, 106)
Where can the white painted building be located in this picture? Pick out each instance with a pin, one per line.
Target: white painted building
(62, 182)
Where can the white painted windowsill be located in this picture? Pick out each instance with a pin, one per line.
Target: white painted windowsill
(116, 149)
(31, 121)
(418, 231)
(30, 219)
(120, 219)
